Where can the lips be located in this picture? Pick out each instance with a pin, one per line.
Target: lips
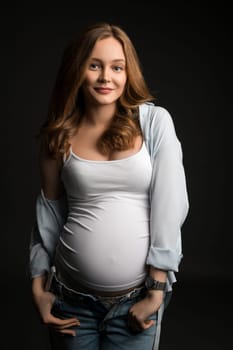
(103, 90)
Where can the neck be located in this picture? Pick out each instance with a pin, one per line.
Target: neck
(100, 115)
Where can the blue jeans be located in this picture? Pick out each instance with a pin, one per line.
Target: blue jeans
(103, 323)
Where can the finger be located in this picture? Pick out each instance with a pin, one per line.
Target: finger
(58, 321)
(134, 328)
(134, 325)
(147, 324)
(137, 325)
(67, 332)
(55, 321)
(61, 327)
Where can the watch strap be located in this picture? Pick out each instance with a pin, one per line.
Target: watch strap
(152, 284)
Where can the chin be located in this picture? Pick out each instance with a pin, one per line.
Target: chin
(97, 99)
(105, 101)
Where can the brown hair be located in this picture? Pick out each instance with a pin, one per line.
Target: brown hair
(66, 105)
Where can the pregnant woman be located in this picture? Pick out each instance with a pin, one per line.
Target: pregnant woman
(107, 239)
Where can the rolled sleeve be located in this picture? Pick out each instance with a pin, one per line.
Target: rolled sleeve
(164, 259)
(39, 261)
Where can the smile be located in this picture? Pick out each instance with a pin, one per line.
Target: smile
(103, 90)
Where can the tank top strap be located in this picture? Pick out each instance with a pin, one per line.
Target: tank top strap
(66, 156)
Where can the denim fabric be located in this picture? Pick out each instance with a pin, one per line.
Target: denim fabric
(103, 322)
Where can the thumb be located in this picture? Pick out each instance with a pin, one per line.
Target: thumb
(148, 324)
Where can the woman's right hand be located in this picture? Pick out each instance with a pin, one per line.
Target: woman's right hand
(43, 301)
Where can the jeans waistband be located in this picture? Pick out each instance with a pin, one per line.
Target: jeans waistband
(63, 291)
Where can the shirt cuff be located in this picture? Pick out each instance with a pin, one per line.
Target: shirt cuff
(39, 262)
(164, 259)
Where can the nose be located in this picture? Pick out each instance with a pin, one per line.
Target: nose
(104, 76)
(103, 80)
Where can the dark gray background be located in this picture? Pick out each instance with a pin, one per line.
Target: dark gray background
(186, 55)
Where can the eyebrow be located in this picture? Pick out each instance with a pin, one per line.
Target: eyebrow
(116, 60)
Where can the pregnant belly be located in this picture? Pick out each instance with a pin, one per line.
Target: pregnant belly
(105, 247)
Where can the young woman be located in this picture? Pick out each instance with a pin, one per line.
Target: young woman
(107, 237)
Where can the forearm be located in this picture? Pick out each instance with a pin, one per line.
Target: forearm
(38, 284)
(157, 274)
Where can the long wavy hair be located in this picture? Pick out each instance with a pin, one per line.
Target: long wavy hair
(66, 104)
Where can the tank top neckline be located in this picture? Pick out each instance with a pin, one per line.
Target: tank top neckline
(113, 161)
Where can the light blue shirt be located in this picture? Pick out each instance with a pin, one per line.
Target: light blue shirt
(169, 203)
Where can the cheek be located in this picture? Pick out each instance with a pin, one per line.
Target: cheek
(122, 81)
(89, 79)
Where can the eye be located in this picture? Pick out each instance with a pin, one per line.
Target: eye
(117, 68)
(94, 66)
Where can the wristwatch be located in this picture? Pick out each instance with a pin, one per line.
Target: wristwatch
(150, 283)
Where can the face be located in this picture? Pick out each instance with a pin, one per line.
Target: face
(105, 76)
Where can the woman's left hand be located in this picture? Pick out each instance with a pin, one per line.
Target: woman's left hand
(139, 313)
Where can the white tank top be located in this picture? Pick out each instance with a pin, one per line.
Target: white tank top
(105, 241)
